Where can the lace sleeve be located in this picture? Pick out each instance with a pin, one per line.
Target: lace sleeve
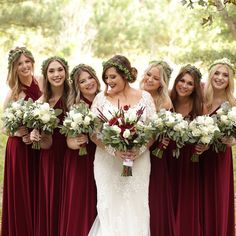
(149, 105)
(97, 103)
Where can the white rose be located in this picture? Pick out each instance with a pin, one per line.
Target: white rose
(19, 113)
(209, 120)
(116, 129)
(220, 111)
(36, 112)
(170, 122)
(87, 120)
(78, 118)
(224, 119)
(126, 133)
(73, 125)
(196, 132)
(232, 115)
(45, 118)
(16, 105)
(45, 106)
(205, 139)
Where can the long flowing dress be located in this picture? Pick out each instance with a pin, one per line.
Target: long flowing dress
(184, 182)
(160, 197)
(79, 194)
(19, 176)
(218, 193)
(122, 201)
(50, 183)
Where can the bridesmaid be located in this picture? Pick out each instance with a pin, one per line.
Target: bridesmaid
(217, 168)
(186, 96)
(17, 209)
(79, 196)
(160, 202)
(56, 90)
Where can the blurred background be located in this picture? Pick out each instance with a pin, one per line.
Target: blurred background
(180, 32)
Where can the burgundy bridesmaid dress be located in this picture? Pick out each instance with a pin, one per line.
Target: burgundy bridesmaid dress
(160, 198)
(217, 185)
(20, 173)
(50, 183)
(184, 182)
(79, 195)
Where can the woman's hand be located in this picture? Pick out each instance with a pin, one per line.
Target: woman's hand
(22, 131)
(26, 139)
(131, 155)
(35, 135)
(76, 142)
(228, 140)
(165, 142)
(200, 148)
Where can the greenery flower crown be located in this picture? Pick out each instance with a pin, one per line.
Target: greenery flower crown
(121, 68)
(223, 61)
(50, 59)
(15, 53)
(194, 69)
(168, 70)
(82, 67)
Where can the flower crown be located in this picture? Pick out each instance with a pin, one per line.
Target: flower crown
(194, 69)
(82, 67)
(168, 70)
(15, 53)
(120, 67)
(55, 58)
(223, 61)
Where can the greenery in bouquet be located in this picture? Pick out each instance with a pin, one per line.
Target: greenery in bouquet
(13, 116)
(225, 118)
(170, 125)
(39, 115)
(124, 131)
(202, 130)
(79, 120)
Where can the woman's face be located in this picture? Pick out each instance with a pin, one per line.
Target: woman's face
(24, 67)
(152, 80)
(220, 78)
(114, 81)
(88, 86)
(56, 74)
(185, 86)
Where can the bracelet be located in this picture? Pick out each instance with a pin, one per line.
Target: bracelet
(110, 150)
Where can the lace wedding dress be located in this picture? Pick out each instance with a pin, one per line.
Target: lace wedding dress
(122, 201)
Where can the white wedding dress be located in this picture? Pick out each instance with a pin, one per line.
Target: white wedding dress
(122, 202)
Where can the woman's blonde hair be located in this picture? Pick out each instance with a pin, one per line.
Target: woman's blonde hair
(229, 90)
(13, 79)
(162, 91)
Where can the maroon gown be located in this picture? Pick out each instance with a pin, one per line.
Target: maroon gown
(184, 182)
(20, 173)
(160, 198)
(79, 198)
(50, 183)
(217, 185)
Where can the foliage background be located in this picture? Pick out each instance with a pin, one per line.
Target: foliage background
(92, 31)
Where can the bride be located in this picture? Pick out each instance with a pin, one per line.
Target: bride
(122, 201)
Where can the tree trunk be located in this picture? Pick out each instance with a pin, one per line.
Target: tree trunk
(231, 22)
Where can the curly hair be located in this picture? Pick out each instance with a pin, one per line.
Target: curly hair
(75, 94)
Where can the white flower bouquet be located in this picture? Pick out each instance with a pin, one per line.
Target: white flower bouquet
(170, 125)
(124, 131)
(13, 116)
(225, 118)
(79, 120)
(39, 115)
(202, 130)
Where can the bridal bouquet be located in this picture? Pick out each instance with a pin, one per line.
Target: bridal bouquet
(124, 131)
(13, 116)
(170, 125)
(202, 130)
(79, 120)
(39, 115)
(225, 118)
